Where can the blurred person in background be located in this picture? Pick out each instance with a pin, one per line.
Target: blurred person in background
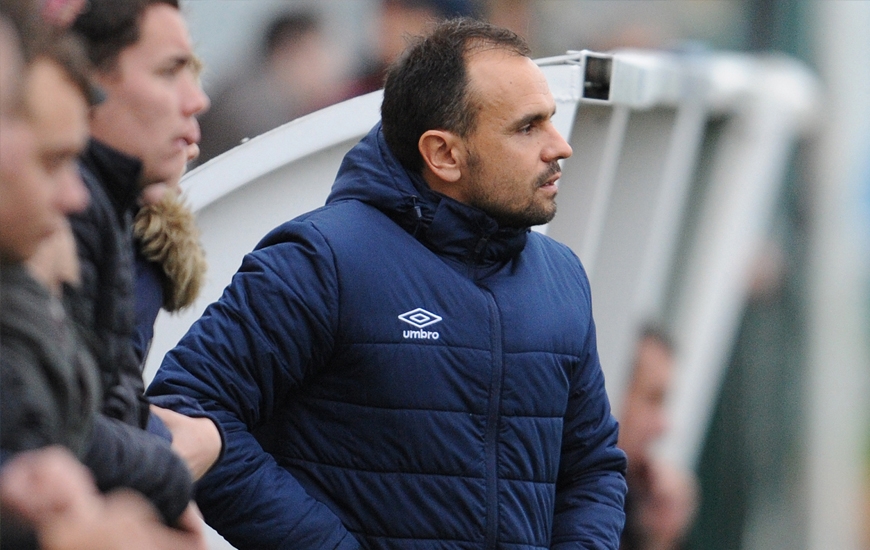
(662, 499)
(295, 75)
(60, 14)
(396, 22)
(516, 15)
(141, 135)
(50, 389)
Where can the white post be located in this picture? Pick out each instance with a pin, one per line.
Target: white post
(839, 365)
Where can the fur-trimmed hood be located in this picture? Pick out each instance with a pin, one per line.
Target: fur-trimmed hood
(167, 235)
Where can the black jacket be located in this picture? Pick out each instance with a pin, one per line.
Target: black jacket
(121, 452)
(103, 306)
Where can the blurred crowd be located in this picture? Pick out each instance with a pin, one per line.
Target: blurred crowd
(296, 72)
(296, 68)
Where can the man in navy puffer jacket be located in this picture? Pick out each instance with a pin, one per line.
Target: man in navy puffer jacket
(409, 366)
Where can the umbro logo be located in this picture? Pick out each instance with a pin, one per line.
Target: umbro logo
(420, 318)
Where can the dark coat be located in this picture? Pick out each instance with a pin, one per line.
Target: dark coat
(50, 395)
(395, 370)
(103, 305)
(122, 453)
(50, 392)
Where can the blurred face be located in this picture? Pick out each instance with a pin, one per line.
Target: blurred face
(644, 417)
(153, 95)
(39, 180)
(513, 152)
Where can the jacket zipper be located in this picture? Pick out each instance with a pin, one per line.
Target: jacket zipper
(492, 425)
(418, 215)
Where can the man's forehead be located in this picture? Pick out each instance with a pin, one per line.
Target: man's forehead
(495, 68)
(509, 82)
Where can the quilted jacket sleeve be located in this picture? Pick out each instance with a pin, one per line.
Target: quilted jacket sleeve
(273, 325)
(590, 492)
(120, 455)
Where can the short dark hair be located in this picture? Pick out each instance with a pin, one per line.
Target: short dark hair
(427, 86)
(109, 26)
(656, 331)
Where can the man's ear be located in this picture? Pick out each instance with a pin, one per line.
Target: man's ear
(443, 154)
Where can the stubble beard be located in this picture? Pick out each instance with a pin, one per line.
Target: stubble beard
(535, 212)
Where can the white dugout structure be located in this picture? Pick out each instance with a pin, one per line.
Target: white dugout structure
(678, 161)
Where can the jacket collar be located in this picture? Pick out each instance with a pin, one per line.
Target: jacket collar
(372, 174)
(118, 174)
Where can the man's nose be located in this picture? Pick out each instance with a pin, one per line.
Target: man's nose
(559, 148)
(196, 100)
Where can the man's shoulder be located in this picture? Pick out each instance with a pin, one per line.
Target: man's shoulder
(552, 247)
(556, 254)
(336, 220)
(23, 300)
(338, 233)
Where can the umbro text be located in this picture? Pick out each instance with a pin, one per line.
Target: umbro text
(421, 334)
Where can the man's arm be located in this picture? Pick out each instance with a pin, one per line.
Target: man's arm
(50, 491)
(123, 456)
(196, 439)
(271, 328)
(590, 492)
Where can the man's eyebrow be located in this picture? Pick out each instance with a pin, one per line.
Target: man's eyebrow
(186, 60)
(534, 117)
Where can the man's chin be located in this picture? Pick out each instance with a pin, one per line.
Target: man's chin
(522, 220)
(546, 213)
(170, 173)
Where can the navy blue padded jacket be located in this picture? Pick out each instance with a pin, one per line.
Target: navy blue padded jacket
(393, 370)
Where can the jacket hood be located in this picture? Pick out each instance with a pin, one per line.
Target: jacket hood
(370, 173)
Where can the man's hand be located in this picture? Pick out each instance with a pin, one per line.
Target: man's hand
(196, 440)
(53, 492)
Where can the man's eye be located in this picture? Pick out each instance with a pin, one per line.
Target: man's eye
(51, 163)
(172, 70)
(57, 162)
